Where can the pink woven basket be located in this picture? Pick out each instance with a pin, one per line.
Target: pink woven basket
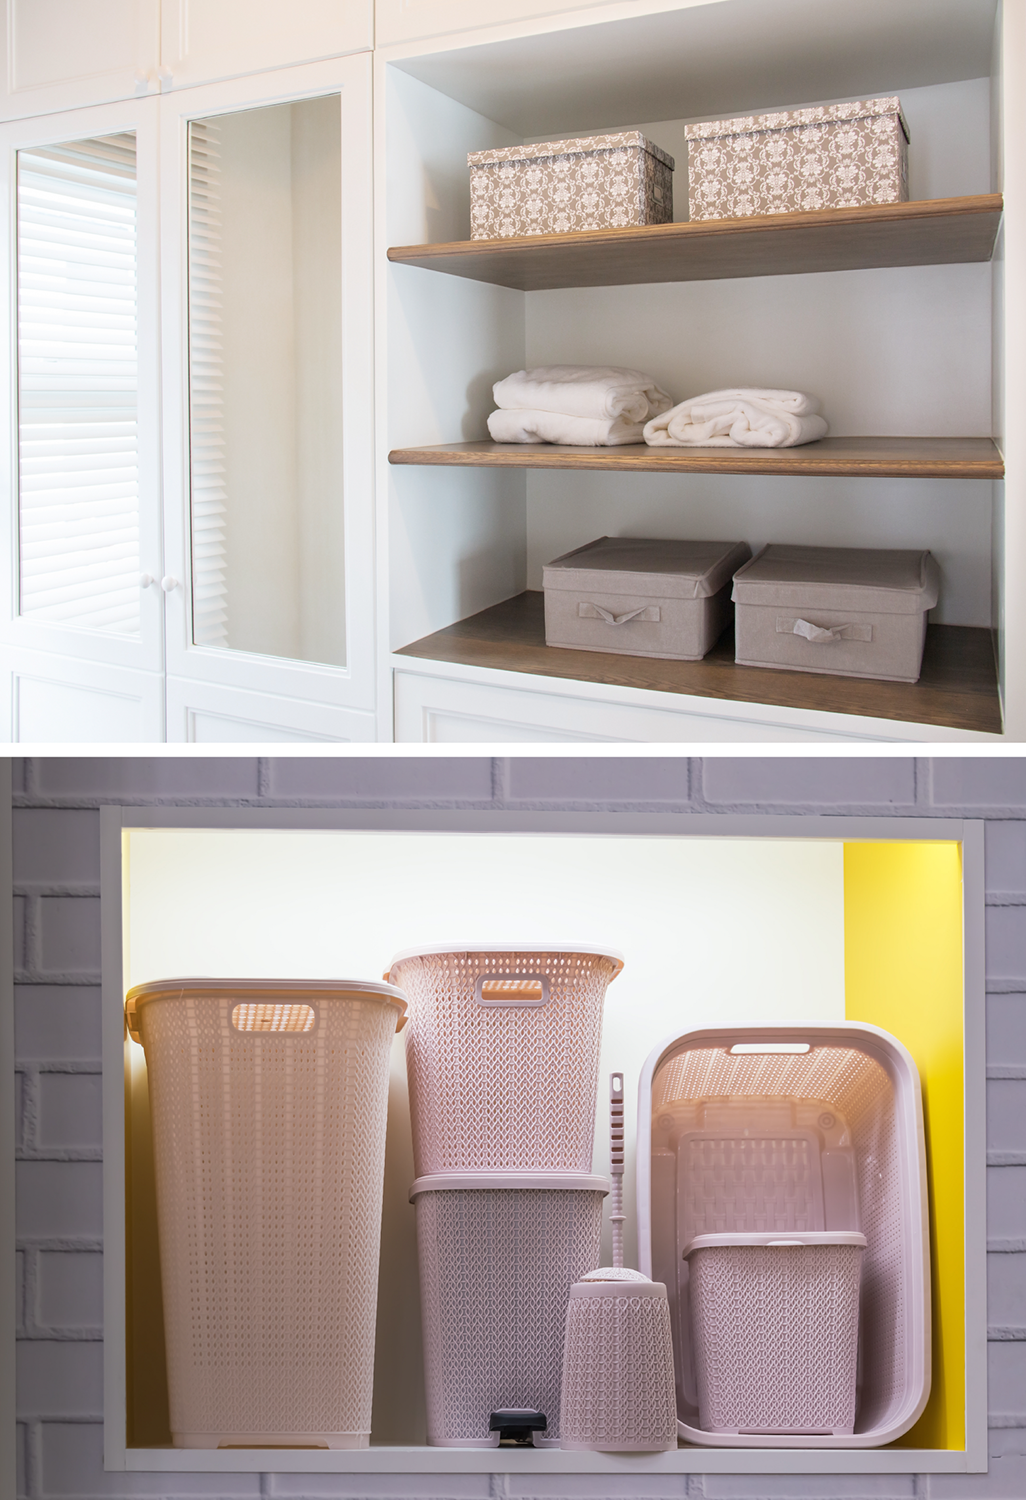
(269, 1101)
(502, 1054)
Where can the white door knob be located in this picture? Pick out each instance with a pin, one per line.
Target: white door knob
(168, 583)
(145, 579)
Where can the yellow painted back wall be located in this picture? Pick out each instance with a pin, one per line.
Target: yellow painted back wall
(903, 972)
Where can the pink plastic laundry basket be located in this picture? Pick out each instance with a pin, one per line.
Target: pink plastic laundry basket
(502, 1053)
(268, 1101)
(499, 1253)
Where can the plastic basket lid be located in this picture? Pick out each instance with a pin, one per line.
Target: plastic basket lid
(782, 1239)
(440, 1182)
(525, 949)
(295, 989)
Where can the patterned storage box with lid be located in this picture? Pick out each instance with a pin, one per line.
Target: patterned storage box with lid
(848, 611)
(638, 596)
(502, 1054)
(596, 182)
(791, 161)
(783, 1201)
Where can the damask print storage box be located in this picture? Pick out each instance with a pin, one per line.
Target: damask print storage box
(597, 182)
(826, 156)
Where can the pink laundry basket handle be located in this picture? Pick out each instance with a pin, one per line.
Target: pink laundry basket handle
(512, 991)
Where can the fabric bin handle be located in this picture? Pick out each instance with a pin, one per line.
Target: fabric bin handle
(596, 612)
(512, 991)
(824, 635)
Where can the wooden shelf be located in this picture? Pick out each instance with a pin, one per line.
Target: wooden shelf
(931, 232)
(957, 689)
(873, 457)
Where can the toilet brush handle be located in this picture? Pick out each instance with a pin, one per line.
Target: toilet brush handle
(616, 1217)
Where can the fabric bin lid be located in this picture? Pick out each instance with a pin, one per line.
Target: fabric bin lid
(580, 147)
(783, 1239)
(651, 567)
(787, 119)
(262, 992)
(869, 580)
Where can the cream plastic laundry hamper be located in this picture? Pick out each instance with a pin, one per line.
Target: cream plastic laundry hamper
(268, 1101)
(502, 1054)
(782, 1198)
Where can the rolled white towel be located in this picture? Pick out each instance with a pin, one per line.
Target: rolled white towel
(743, 418)
(552, 427)
(583, 391)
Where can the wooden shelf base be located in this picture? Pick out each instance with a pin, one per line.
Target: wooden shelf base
(957, 689)
(933, 231)
(869, 457)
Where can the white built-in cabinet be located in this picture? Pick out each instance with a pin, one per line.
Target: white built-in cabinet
(922, 350)
(163, 679)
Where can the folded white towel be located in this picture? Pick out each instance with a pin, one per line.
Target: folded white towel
(583, 391)
(739, 419)
(552, 427)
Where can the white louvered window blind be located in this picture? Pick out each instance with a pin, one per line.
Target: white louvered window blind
(206, 387)
(77, 362)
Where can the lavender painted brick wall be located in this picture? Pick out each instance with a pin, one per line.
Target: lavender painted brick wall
(58, 1046)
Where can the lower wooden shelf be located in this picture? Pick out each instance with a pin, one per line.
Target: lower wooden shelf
(957, 689)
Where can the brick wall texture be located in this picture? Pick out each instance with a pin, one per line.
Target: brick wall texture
(57, 912)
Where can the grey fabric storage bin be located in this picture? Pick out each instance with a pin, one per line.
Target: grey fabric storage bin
(637, 596)
(847, 611)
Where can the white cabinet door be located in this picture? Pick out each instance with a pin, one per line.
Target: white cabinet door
(199, 713)
(80, 441)
(51, 699)
(266, 229)
(60, 54)
(433, 709)
(409, 20)
(203, 40)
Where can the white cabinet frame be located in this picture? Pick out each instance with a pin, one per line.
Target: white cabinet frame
(425, 1460)
(351, 686)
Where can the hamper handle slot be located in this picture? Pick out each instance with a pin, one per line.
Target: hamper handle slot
(512, 991)
(283, 1019)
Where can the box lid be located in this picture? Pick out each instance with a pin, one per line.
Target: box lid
(776, 1239)
(652, 567)
(786, 119)
(580, 147)
(862, 579)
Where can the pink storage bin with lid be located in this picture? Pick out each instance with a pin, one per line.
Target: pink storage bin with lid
(502, 1054)
(268, 1101)
(499, 1253)
(791, 1131)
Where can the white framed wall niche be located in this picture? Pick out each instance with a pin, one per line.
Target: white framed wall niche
(300, 894)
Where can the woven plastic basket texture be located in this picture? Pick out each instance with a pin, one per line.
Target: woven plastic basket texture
(269, 1150)
(496, 1268)
(618, 1390)
(501, 1084)
(776, 1336)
